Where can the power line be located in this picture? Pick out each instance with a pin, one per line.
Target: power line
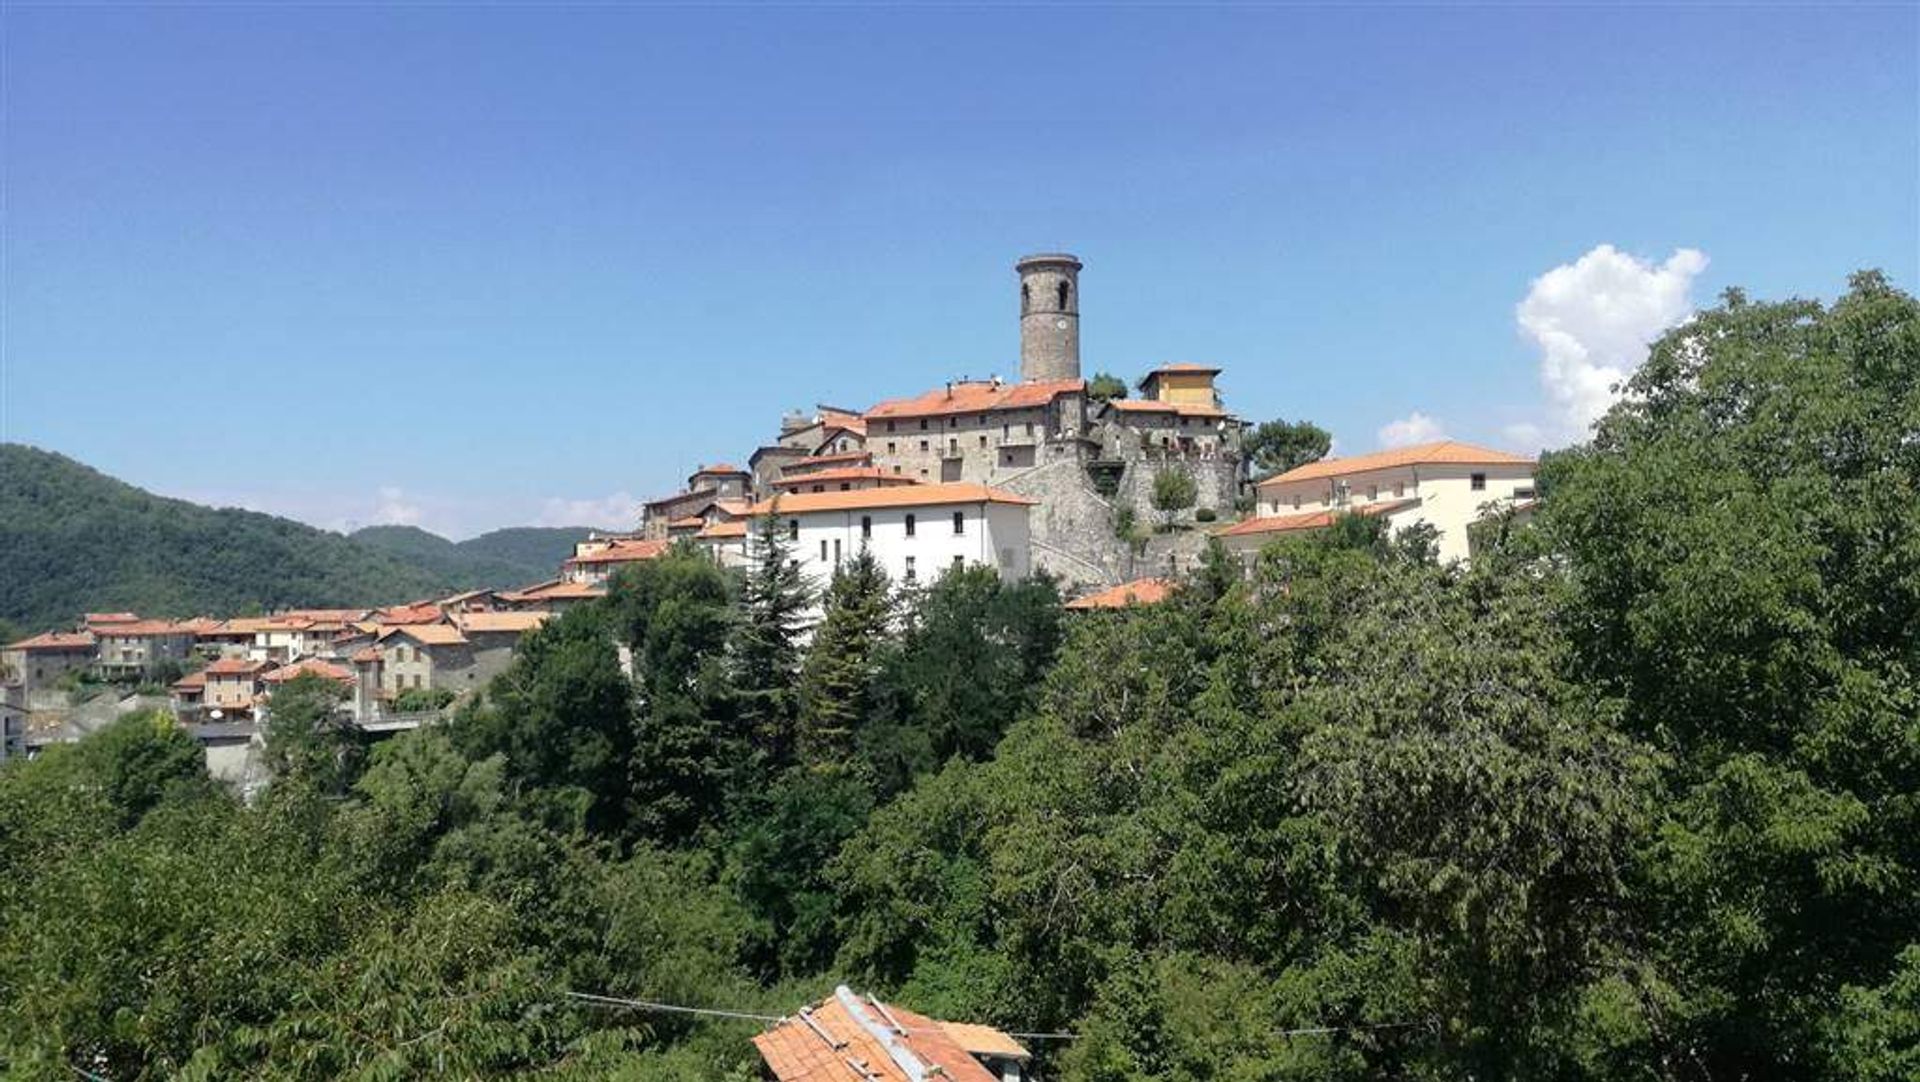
(749, 1016)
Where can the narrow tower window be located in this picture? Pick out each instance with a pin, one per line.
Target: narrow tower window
(1026, 298)
(1063, 296)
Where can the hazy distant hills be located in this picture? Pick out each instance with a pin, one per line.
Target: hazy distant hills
(73, 539)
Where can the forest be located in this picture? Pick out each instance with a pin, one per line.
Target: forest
(1636, 795)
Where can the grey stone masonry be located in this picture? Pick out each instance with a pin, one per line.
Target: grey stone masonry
(1049, 317)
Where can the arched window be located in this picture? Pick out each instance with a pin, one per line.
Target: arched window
(1063, 296)
(1026, 297)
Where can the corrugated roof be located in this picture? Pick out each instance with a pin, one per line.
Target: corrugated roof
(982, 397)
(1138, 592)
(799, 503)
(1443, 452)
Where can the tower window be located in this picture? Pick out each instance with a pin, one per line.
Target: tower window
(1026, 298)
(1063, 296)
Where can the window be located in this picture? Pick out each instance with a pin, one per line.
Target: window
(953, 445)
(836, 552)
(1026, 298)
(819, 488)
(1399, 489)
(890, 447)
(909, 575)
(1525, 493)
(823, 550)
(1478, 481)
(416, 679)
(959, 563)
(1296, 501)
(923, 424)
(910, 524)
(896, 468)
(846, 486)
(1029, 428)
(1373, 492)
(959, 522)
(923, 445)
(953, 422)
(1063, 296)
(889, 429)
(866, 527)
(923, 471)
(983, 439)
(793, 529)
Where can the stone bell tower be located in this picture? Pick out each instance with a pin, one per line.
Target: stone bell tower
(1049, 316)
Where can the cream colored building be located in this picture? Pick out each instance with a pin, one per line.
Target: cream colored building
(1448, 484)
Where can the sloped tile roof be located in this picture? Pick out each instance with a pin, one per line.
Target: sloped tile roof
(844, 473)
(1138, 592)
(981, 397)
(1443, 452)
(495, 622)
(845, 1038)
(625, 552)
(55, 640)
(939, 495)
(427, 634)
(1308, 520)
(304, 666)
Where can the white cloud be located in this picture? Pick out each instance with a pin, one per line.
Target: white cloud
(1592, 320)
(393, 509)
(1415, 427)
(619, 511)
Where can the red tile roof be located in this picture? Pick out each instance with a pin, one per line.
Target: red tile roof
(845, 1038)
(481, 623)
(844, 473)
(55, 640)
(145, 628)
(816, 462)
(719, 469)
(896, 496)
(981, 397)
(193, 681)
(365, 655)
(109, 618)
(719, 530)
(1308, 520)
(1442, 453)
(409, 614)
(1137, 592)
(625, 552)
(304, 666)
(235, 666)
(427, 634)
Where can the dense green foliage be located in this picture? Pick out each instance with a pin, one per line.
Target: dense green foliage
(1278, 446)
(1633, 797)
(76, 540)
(490, 560)
(1105, 386)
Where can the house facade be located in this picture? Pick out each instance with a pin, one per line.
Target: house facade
(915, 532)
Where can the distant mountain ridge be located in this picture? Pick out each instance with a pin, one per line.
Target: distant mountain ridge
(73, 539)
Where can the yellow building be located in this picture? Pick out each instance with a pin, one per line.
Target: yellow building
(1181, 384)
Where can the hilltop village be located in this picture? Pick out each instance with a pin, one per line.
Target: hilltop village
(1048, 473)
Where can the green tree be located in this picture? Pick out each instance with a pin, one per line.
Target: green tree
(1104, 386)
(1742, 545)
(1278, 446)
(766, 650)
(309, 739)
(837, 677)
(1174, 490)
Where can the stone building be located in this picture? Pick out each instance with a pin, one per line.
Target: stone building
(35, 665)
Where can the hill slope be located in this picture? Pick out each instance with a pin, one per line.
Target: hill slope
(502, 558)
(73, 539)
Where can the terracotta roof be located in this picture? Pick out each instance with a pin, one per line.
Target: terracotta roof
(984, 1040)
(1308, 520)
(108, 618)
(461, 598)
(200, 625)
(365, 655)
(714, 530)
(978, 397)
(718, 468)
(690, 494)
(735, 508)
(844, 473)
(561, 591)
(409, 614)
(55, 640)
(691, 522)
(485, 622)
(193, 681)
(1444, 452)
(815, 462)
(1177, 368)
(145, 628)
(1137, 592)
(308, 665)
(427, 634)
(235, 666)
(1154, 405)
(845, 1038)
(625, 552)
(338, 616)
(896, 496)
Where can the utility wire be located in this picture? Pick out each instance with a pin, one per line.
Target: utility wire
(749, 1016)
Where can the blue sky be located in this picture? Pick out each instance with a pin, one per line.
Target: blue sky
(480, 267)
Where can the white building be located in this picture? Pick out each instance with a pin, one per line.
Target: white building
(916, 532)
(1448, 484)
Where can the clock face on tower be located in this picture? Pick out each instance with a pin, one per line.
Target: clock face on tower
(1060, 324)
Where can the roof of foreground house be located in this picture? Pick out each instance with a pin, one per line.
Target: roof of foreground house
(55, 640)
(1440, 453)
(495, 622)
(306, 666)
(849, 1038)
(1138, 592)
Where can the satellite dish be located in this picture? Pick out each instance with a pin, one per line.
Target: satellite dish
(215, 714)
